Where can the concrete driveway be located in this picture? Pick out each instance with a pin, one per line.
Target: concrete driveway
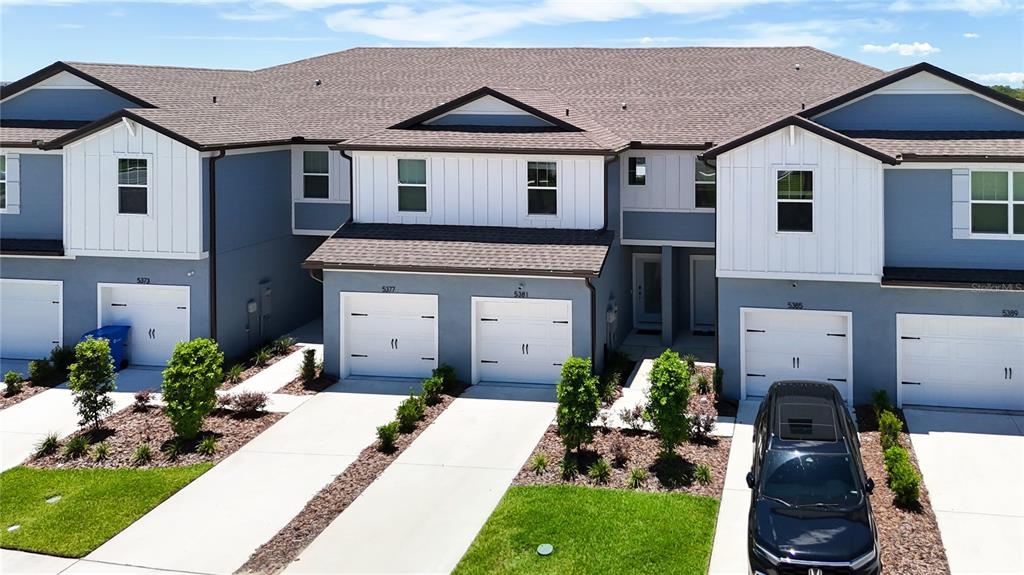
(973, 467)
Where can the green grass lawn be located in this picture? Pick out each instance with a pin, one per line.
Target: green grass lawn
(594, 531)
(95, 504)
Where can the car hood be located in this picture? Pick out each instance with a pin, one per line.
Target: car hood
(813, 533)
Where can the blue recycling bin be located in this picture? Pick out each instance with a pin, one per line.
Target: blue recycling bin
(117, 335)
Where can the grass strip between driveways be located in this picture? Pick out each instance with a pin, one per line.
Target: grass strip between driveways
(94, 505)
(594, 531)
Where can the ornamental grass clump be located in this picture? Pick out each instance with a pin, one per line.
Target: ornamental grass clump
(600, 471)
(579, 401)
(190, 384)
(669, 398)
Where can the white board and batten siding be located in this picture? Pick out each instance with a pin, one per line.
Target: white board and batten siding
(846, 243)
(92, 225)
(479, 190)
(669, 184)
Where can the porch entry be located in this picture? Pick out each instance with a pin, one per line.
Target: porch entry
(647, 291)
(703, 292)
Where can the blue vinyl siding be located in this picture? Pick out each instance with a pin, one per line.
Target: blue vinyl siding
(919, 226)
(321, 216)
(612, 287)
(64, 104)
(926, 112)
(41, 215)
(668, 226)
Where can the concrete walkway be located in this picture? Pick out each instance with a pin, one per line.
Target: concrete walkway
(729, 554)
(276, 376)
(972, 464)
(424, 511)
(217, 521)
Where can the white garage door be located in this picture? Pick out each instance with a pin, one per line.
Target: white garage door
(796, 344)
(521, 340)
(961, 361)
(30, 318)
(388, 335)
(158, 316)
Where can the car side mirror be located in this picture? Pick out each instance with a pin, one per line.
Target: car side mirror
(750, 479)
(870, 486)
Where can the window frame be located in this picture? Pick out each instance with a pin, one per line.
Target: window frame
(425, 185)
(631, 170)
(557, 189)
(775, 195)
(1010, 202)
(3, 181)
(303, 173)
(148, 185)
(696, 182)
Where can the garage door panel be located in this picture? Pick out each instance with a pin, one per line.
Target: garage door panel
(30, 318)
(158, 317)
(389, 335)
(521, 340)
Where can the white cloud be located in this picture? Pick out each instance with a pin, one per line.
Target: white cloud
(971, 35)
(999, 78)
(972, 7)
(903, 49)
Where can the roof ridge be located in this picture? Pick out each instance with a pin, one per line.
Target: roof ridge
(155, 66)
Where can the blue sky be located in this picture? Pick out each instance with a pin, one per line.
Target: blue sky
(982, 39)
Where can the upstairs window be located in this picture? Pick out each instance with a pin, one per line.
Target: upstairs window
(315, 181)
(795, 200)
(412, 186)
(3, 182)
(705, 185)
(542, 188)
(997, 203)
(637, 171)
(132, 186)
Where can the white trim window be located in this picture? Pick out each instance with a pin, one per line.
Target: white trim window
(637, 170)
(794, 201)
(133, 186)
(542, 188)
(316, 181)
(997, 204)
(412, 185)
(3, 182)
(705, 185)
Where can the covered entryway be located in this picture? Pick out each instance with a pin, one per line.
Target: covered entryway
(520, 340)
(388, 335)
(795, 344)
(30, 318)
(157, 314)
(960, 361)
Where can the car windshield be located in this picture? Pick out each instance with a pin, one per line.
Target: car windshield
(809, 479)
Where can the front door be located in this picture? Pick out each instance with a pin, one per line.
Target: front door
(647, 290)
(702, 294)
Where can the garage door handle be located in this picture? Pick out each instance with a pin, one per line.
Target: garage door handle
(488, 361)
(522, 349)
(911, 382)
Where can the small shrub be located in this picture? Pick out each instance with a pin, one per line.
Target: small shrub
(691, 361)
(889, 428)
(895, 456)
(47, 445)
(307, 369)
(234, 373)
(173, 449)
(249, 403)
(224, 401)
(600, 471)
(702, 473)
(633, 417)
(190, 384)
(618, 451)
(142, 455)
(91, 380)
(447, 375)
(578, 403)
(433, 387)
(539, 463)
(880, 401)
(76, 447)
(637, 478)
(100, 451)
(670, 397)
(702, 384)
(567, 468)
(718, 377)
(61, 358)
(282, 345)
(408, 413)
(262, 357)
(610, 381)
(904, 480)
(208, 446)
(387, 435)
(12, 380)
(142, 399)
(702, 425)
(40, 370)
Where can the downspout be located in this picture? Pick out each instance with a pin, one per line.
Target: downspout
(351, 188)
(593, 325)
(213, 242)
(607, 163)
(713, 163)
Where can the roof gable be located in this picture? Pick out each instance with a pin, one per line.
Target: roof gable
(63, 75)
(487, 107)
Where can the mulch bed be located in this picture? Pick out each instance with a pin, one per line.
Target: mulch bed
(28, 390)
(299, 387)
(641, 449)
(254, 369)
(126, 429)
(325, 506)
(909, 538)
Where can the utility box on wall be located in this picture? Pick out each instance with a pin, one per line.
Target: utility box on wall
(266, 308)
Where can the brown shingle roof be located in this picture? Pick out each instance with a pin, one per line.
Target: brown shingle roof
(938, 145)
(468, 249)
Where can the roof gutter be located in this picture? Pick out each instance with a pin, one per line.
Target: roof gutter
(213, 243)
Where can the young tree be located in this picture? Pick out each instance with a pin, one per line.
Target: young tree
(190, 385)
(579, 401)
(670, 397)
(91, 380)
